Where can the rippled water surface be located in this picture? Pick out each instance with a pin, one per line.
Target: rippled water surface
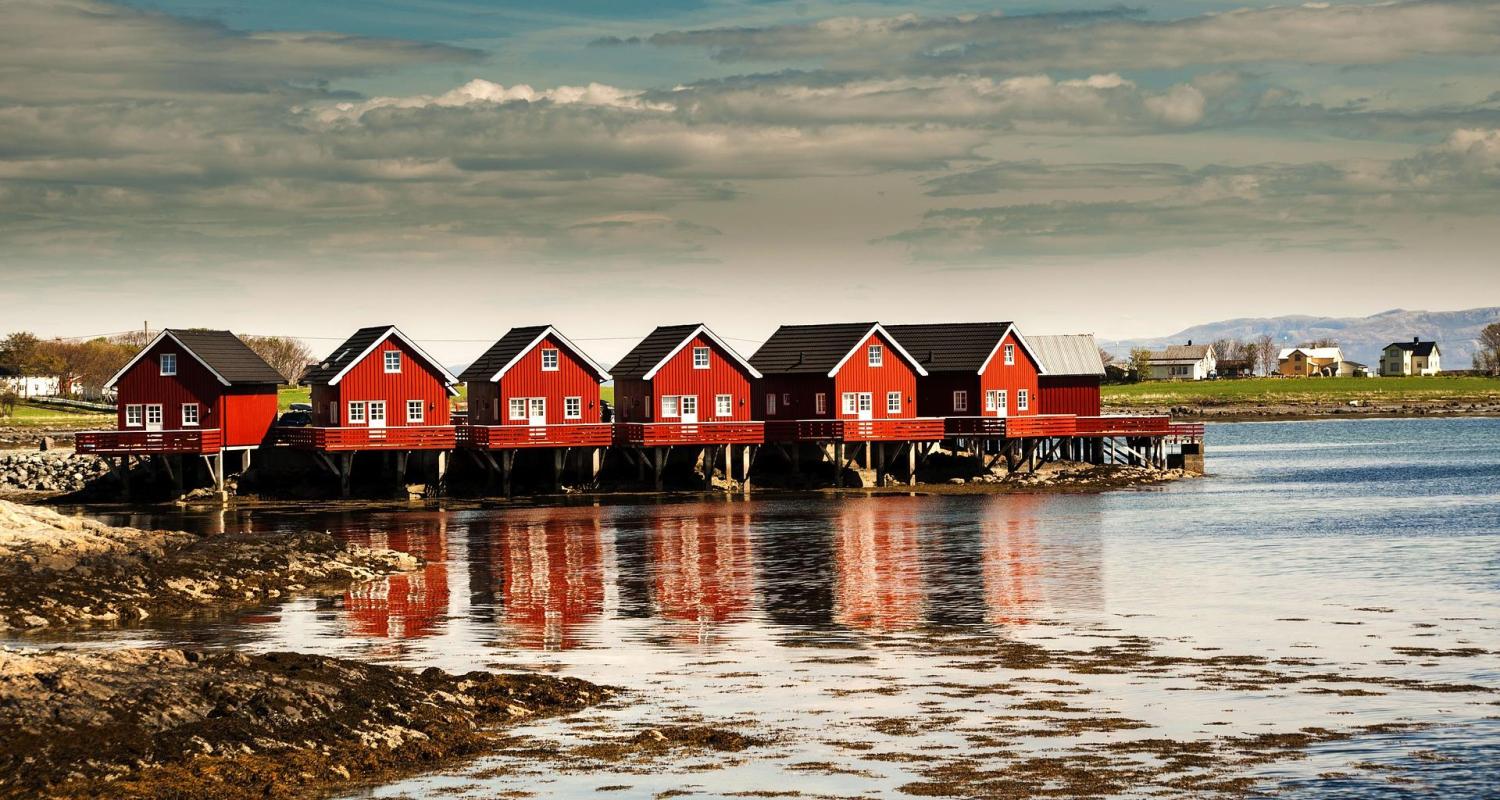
(1328, 576)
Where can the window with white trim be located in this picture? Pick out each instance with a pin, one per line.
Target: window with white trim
(168, 364)
(820, 403)
(786, 399)
(415, 411)
(1010, 354)
(153, 414)
(549, 360)
(851, 401)
(376, 412)
(771, 403)
(893, 402)
(133, 416)
(996, 400)
(537, 408)
(356, 412)
(1023, 400)
(700, 358)
(723, 405)
(668, 405)
(518, 408)
(573, 408)
(392, 361)
(960, 400)
(875, 355)
(866, 402)
(189, 415)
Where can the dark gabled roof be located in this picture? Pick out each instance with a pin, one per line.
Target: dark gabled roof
(799, 349)
(345, 354)
(950, 347)
(515, 342)
(1418, 349)
(656, 346)
(228, 355)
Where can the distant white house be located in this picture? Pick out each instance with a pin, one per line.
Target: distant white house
(28, 385)
(1415, 357)
(1183, 362)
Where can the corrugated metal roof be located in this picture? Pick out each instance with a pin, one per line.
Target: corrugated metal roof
(1180, 352)
(228, 355)
(1068, 354)
(950, 347)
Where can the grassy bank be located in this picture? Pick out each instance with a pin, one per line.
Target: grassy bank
(27, 415)
(1303, 390)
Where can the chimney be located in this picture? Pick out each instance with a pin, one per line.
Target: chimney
(1415, 340)
(1190, 343)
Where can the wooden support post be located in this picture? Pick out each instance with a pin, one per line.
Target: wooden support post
(345, 470)
(911, 463)
(838, 464)
(507, 470)
(879, 455)
(559, 459)
(596, 462)
(658, 465)
(747, 457)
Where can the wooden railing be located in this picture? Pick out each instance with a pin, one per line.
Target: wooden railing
(142, 442)
(505, 437)
(1041, 425)
(426, 437)
(1187, 430)
(852, 430)
(662, 434)
(1124, 426)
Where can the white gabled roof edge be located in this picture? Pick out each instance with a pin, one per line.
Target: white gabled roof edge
(1041, 369)
(577, 351)
(448, 378)
(165, 334)
(877, 328)
(703, 329)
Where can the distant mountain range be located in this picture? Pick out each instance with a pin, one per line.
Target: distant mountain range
(1362, 338)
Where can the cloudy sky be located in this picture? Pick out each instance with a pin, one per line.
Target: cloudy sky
(462, 166)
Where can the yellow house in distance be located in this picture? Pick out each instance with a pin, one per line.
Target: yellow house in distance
(1303, 362)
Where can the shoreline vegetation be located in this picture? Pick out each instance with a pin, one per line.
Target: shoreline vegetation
(1290, 399)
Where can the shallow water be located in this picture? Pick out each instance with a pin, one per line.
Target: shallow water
(871, 641)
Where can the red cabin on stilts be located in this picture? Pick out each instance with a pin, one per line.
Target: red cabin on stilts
(1072, 374)
(983, 377)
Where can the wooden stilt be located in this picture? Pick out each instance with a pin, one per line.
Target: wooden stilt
(911, 464)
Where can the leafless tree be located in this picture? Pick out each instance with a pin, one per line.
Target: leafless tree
(285, 354)
(1105, 357)
(1266, 349)
(1487, 355)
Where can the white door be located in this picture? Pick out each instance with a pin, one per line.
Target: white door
(536, 411)
(688, 408)
(153, 417)
(376, 415)
(866, 405)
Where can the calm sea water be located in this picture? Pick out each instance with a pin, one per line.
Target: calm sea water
(851, 633)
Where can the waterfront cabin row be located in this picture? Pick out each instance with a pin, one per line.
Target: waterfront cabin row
(194, 391)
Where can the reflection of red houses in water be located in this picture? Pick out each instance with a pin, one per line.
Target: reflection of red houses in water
(550, 566)
(406, 605)
(879, 583)
(704, 568)
(1012, 558)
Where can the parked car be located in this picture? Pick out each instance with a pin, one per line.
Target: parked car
(296, 419)
(306, 408)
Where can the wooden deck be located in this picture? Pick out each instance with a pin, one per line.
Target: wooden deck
(205, 441)
(507, 437)
(668, 434)
(428, 437)
(921, 429)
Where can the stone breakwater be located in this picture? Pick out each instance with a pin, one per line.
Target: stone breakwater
(48, 472)
(146, 724)
(57, 570)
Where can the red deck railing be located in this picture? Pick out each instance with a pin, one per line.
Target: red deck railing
(662, 434)
(505, 437)
(426, 437)
(141, 442)
(855, 430)
(1041, 425)
(1187, 430)
(1124, 426)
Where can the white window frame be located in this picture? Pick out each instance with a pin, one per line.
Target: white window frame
(517, 406)
(893, 402)
(387, 362)
(703, 362)
(550, 354)
(418, 406)
(1023, 400)
(850, 402)
(168, 358)
(786, 399)
(160, 413)
(137, 412)
(960, 400)
(770, 402)
(820, 403)
(572, 408)
(669, 406)
(875, 355)
(1010, 355)
(194, 408)
(385, 414)
(866, 401)
(356, 412)
(723, 405)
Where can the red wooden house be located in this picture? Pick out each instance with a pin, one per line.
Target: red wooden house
(983, 377)
(1071, 373)
(378, 390)
(683, 385)
(534, 388)
(840, 382)
(189, 392)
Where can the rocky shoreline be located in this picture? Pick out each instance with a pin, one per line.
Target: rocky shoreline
(48, 472)
(170, 723)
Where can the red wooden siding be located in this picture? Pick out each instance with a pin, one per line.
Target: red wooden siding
(1012, 378)
(368, 380)
(249, 412)
(572, 378)
(895, 374)
(677, 377)
(1070, 394)
(144, 384)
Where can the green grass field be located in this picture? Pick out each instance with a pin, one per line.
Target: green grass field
(30, 416)
(1294, 390)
